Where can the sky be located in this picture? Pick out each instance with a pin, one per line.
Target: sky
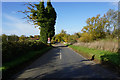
(71, 16)
(61, 0)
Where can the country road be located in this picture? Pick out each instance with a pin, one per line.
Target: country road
(63, 62)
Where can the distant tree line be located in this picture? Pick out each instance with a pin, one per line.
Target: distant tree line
(97, 28)
(64, 37)
(15, 38)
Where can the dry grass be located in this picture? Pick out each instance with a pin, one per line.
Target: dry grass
(106, 45)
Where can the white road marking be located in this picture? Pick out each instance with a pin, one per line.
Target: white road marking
(60, 55)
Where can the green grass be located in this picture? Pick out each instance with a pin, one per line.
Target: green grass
(2, 68)
(110, 57)
(23, 59)
(67, 44)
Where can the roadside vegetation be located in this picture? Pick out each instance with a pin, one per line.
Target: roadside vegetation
(100, 37)
(100, 55)
(17, 51)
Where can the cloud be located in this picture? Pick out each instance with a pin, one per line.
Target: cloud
(14, 25)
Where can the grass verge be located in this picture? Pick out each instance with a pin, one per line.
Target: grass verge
(11, 68)
(111, 59)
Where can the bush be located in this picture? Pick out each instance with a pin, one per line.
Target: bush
(6, 38)
(72, 39)
(13, 50)
(86, 38)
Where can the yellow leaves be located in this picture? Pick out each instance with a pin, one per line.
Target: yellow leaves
(28, 7)
(104, 16)
(35, 23)
(31, 15)
(107, 21)
(85, 28)
(35, 17)
(94, 28)
(38, 23)
(91, 28)
(98, 16)
(88, 21)
(65, 39)
(86, 37)
(39, 28)
(82, 29)
(92, 19)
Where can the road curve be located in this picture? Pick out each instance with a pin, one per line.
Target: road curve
(62, 62)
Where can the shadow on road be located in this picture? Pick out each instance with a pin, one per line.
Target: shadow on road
(85, 60)
(45, 59)
(65, 71)
(59, 46)
(75, 71)
(85, 72)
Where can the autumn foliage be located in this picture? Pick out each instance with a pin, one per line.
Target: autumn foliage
(100, 27)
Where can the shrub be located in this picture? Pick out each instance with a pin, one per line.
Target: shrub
(72, 39)
(86, 37)
(13, 50)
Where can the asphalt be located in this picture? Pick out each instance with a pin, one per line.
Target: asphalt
(61, 63)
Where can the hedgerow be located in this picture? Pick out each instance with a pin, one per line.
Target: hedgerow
(13, 50)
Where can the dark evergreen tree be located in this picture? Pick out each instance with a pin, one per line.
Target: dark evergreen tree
(51, 17)
(41, 21)
(42, 18)
(37, 15)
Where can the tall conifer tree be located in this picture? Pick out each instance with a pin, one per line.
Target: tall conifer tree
(51, 17)
(42, 17)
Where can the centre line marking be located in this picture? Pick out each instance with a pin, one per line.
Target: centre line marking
(60, 55)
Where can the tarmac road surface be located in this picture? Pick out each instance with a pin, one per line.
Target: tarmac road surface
(61, 63)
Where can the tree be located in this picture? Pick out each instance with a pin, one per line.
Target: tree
(62, 36)
(13, 38)
(4, 38)
(72, 39)
(51, 19)
(42, 21)
(31, 36)
(86, 37)
(58, 38)
(63, 32)
(78, 35)
(37, 15)
(37, 37)
(95, 27)
(101, 27)
(22, 37)
(42, 17)
(112, 27)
